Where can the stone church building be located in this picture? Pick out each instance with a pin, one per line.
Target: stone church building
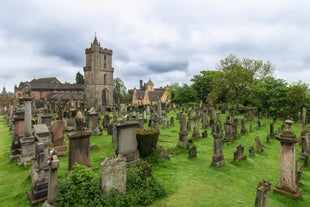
(97, 90)
(98, 77)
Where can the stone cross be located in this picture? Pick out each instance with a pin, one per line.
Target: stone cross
(53, 164)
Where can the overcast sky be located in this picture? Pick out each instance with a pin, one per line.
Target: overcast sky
(165, 41)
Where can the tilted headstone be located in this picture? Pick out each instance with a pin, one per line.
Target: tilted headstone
(259, 145)
(113, 174)
(287, 184)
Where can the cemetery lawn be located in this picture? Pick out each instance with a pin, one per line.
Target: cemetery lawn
(188, 181)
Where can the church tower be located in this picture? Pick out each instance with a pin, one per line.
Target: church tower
(98, 77)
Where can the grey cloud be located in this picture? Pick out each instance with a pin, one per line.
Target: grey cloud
(162, 67)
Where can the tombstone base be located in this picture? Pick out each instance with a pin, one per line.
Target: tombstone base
(183, 144)
(241, 158)
(218, 161)
(218, 164)
(296, 194)
(61, 150)
(38, 193)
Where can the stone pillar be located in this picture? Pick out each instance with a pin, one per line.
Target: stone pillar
(218, 157)
(113, 174)
(79, 144)
(17, 133)
(196, 133)
(93, 122)
(262, 192)
(271, 131)
(304, 119)
(27, 141)
(183, 141)
(287, 184)
(53, 163)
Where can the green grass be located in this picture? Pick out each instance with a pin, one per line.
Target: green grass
(188, 181)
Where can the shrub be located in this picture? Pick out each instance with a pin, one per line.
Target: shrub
(147, 141)
(80, 188)
(83, 188)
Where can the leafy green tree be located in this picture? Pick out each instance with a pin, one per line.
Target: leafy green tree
(207, 82)
(119, 90)
(184, 94)
(269, 94)
(239, 75)
(297, 96)
(79, 78)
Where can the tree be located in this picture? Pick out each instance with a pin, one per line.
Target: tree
(269, 94)
(239, 75)
(297, 96)
(119, 90)
(206, 84)
(79, 79)
(184, 94)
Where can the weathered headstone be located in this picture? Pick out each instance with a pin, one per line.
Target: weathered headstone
(126, 141)
(287, 184)
(79, 144)
(58, 142)
(259, 145)
(93, 122)
(113, 174)
(243, 129)
(218, 157)
(27, 141)
(183, 140)
(251, 151)
(53, 164)
(192, 152)
(262, 192)
(239, 153)
(196, 133)
(271, 130)
(17, 133)
(39, 175)
(172, 121)
(304, 119)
